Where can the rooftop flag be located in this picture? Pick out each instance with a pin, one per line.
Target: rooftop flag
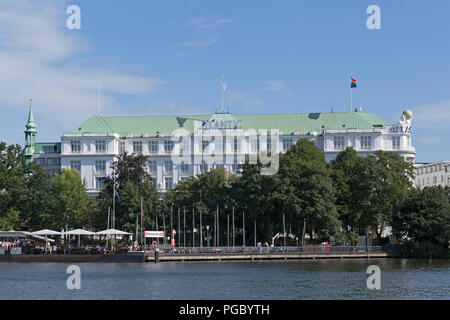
(353, 82)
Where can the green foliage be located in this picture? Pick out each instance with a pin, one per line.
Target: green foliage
(10, 220)
(425, 217)
(345, 198)
(391, 180)
(70, 201)
(132, 182)
(305, 190)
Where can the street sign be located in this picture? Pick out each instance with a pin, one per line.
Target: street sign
(154, 234)
(174, 231)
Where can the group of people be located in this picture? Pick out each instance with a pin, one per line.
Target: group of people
(6, 245)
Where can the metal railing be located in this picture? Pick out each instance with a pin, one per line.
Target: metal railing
(267, 250)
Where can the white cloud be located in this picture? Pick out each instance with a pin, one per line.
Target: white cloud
(198, 43)
(432, 116)
(208, 24)
(276, 86)
(37, 54)
(203, 34)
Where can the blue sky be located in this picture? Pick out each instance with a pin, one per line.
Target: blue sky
(166, 57)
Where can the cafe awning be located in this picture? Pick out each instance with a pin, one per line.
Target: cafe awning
(46, 232)
(112, 232)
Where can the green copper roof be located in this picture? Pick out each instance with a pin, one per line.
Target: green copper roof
(30, 126)
(286, 122)
(94, 124)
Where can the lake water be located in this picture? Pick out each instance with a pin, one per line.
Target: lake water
(304, 279)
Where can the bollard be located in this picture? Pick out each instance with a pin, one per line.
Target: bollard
(156, 256)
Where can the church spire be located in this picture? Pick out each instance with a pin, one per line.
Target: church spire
(31, 126)
(30, 135)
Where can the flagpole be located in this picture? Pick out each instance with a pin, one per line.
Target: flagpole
(114, 202)
(351, 99)
(351, 93)
(222, 92)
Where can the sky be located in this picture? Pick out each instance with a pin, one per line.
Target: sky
(167, 57)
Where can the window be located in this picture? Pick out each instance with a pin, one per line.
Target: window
(39, 161)
(153, 146)
(75, 165)
(434, 180)
(49, 149)
(184, 167)
(100, 182)
(168, 183)
(396, 142)
(100, 165)
(269, 143)
(168, 146)
(154, 181)
(339, 143)
(205, 145)
(203, 167)
(75, 146)
(184, 145)
(287, 144)
(137, 146)
(53, 162)
(152, 166)
(122, 147)
(100, 146)
(235, 145)
(254, 144)
(366, 142)
(168, 166)
(234, 166)
(183, 179)
(218, 146)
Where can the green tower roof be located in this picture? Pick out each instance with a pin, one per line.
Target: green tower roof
(31, 126)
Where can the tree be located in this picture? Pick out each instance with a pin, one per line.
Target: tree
(70, 200)
(425, 217)
(10, 220)
(251, 194)
(305, 190)
(353, 188)
(132, 181)
(391, 179)
(203, 193)
(24, 189)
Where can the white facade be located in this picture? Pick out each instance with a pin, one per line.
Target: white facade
(93, 154)
(432, 174)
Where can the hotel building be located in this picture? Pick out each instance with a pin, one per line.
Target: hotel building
(218, 140)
